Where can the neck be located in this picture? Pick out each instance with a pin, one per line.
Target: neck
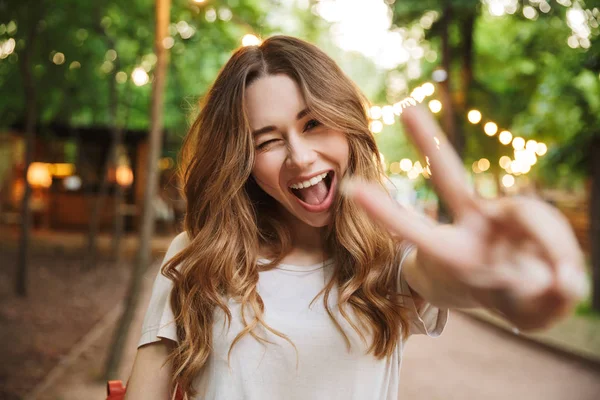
(306, 237)
(307, 243)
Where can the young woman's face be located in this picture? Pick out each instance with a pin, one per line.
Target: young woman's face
(298, 161)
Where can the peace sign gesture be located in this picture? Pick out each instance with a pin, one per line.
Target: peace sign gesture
(517, 256)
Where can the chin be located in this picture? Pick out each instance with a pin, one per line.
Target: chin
(317, 222)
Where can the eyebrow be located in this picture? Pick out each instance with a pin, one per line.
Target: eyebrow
(270, 128)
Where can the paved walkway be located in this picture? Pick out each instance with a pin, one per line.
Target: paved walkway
(471, 360)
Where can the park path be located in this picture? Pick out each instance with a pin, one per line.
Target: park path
(471, 360)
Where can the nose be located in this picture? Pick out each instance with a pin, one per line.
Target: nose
(301, 154)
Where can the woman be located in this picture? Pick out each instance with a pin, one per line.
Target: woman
(283, 288)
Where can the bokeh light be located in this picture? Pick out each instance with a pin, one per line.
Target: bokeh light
(435, 106)
(490, 128)
(541, 149)
(505, 162)
(505, 137)
(483, 164)
(376, 126)
(474, 116)
(406, 164)
(140, 76)
(508, 181)
(518, 143)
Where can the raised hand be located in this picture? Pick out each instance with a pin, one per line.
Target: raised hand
(519, 256)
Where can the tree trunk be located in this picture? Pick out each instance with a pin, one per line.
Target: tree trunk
(116, 133)
(119, 226)
(31, 116)
(594, 213)
(110, 161)
(466, 72)
(147, 227)
(120, 191)
(95, 216)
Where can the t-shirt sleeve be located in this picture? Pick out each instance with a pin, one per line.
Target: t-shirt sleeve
(427, 319)
(159, 321)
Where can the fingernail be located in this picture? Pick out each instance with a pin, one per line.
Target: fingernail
(574, 281)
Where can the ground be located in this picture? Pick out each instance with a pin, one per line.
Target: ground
(62, 305)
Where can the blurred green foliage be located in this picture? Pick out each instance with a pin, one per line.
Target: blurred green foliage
(90, 34)
(525, 77)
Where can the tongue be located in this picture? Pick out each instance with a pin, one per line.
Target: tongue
(315, 194)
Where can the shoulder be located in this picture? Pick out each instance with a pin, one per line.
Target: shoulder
(178, 243)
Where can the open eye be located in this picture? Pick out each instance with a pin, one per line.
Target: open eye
(313, 123)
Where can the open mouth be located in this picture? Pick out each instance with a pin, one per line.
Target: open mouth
(316, 193)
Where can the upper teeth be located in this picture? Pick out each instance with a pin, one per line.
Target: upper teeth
(311, 182)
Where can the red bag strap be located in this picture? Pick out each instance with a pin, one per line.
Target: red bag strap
(115, 390)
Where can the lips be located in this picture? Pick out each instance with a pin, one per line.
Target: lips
(326, 203)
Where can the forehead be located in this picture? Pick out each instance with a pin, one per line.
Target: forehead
(273, 100)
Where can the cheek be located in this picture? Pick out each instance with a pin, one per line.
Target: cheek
(266, 170)
(338, 149)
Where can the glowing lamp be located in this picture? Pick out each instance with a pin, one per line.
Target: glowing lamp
(38, 175)
(124, 175)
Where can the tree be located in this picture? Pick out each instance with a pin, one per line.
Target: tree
(30, 118)
(158, 85)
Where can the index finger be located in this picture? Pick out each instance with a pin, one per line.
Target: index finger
(447, 171)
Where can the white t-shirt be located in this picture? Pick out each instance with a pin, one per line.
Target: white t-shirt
(325, 369)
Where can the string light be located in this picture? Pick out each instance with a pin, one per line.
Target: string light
(505, 137)
(376, 126)
(518, 143)
(541, 149)
(406, 164)
(531, 145)
(490, 128)
(428, 88)
(387, 112)
(375, 112)
(474, 116)
(525, 152)
(435, 106)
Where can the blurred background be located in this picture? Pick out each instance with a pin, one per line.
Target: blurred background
(97, 96)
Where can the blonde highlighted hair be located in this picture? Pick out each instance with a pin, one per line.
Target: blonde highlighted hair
(229, 218)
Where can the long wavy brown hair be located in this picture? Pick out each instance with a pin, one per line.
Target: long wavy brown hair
(229, 218)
